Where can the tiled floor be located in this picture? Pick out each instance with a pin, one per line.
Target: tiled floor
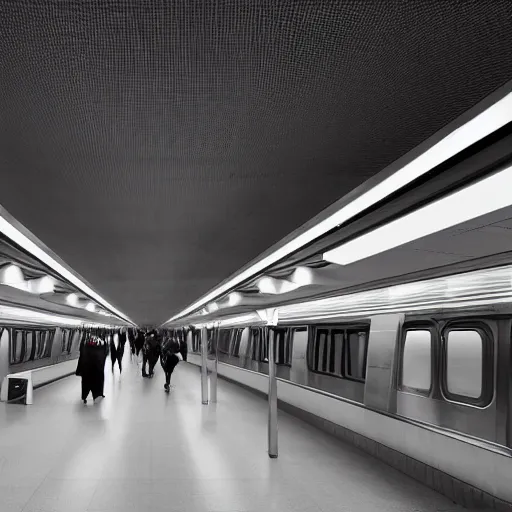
(141, 449)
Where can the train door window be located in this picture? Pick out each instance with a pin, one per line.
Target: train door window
(356, 349)
(417, 361)
(237, 339)
(224, 341)
(17, 346)
(464, 364)
(282, 346)
(336, 360)
(320, 350)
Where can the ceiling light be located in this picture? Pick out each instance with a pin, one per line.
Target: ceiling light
(211, 308)
(481, 198)
(11, 313)
(91, 307)
(72, 300)
(11, 275)
(10, 231)
(488, 121)
(234, 299)
(41, 285)
(274, 286)
(302, 276)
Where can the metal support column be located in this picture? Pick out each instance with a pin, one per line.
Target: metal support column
(213, 375)
(272, 395)
(204, 368)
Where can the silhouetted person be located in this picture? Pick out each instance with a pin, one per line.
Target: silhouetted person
(169, 358)
(184, 348)
(113, 352)
(150, 353)
(139, 342)
(91, 367)
(120, 348)
(131, 340)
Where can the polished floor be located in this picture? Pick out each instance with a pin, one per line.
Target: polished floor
(141, 449)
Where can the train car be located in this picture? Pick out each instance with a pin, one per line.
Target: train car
(419, 375)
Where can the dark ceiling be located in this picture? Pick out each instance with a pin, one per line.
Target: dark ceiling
(158, 146)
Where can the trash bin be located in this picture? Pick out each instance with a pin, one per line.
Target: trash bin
(17, 389)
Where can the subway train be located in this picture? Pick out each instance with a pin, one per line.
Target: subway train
(419, 375)
(27, 347)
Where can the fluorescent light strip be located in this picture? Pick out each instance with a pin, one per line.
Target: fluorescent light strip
(23, 241)
(474, 130)
(481, 198)
(11, 313)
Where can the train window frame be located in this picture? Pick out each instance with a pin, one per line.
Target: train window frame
(346, 350)
(433, 374)
(286, 333)
(236, 340)
(333, 329)
(487, 386)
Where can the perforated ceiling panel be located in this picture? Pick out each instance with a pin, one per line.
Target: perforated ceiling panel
(158, 146)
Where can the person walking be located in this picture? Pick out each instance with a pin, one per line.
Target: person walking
(170, 356)
(91, 367)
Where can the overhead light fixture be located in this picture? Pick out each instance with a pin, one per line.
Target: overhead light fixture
(91, 307)
(12, 275)
(44, 284)
(234, 299)
(13, 233)
(211, 308)
(481, 198)
(302, 276)
(273, 286)
(482, 125)
(72, 300)
(13, 313)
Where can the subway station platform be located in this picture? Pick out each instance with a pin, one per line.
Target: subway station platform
(142, 449)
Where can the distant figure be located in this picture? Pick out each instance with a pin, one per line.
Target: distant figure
(139, 342)
(131, 341)
(113, 351)
(91, 367)
(120, 348)
(184, 348)
(150, 353)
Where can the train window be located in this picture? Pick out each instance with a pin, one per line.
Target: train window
(224, 340)
(417, 360)
(356, 349)
(282, 346)
(237, 338)
(464, 363)
(340, 352)
(196, 341)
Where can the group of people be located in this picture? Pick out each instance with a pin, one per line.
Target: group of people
(95, 347)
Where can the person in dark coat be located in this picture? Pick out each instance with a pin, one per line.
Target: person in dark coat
(139, 342)
(120, 348)
(169, 359)
(150, 353)
(184, 348)
(131, 340)
(113, 352)
(91, 367)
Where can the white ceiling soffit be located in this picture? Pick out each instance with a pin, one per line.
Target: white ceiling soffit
(478, 288)
(485, 119)
(16, 232)
(17, 314)
(481, 198)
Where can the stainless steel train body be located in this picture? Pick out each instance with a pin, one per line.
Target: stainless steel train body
(435, 386)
